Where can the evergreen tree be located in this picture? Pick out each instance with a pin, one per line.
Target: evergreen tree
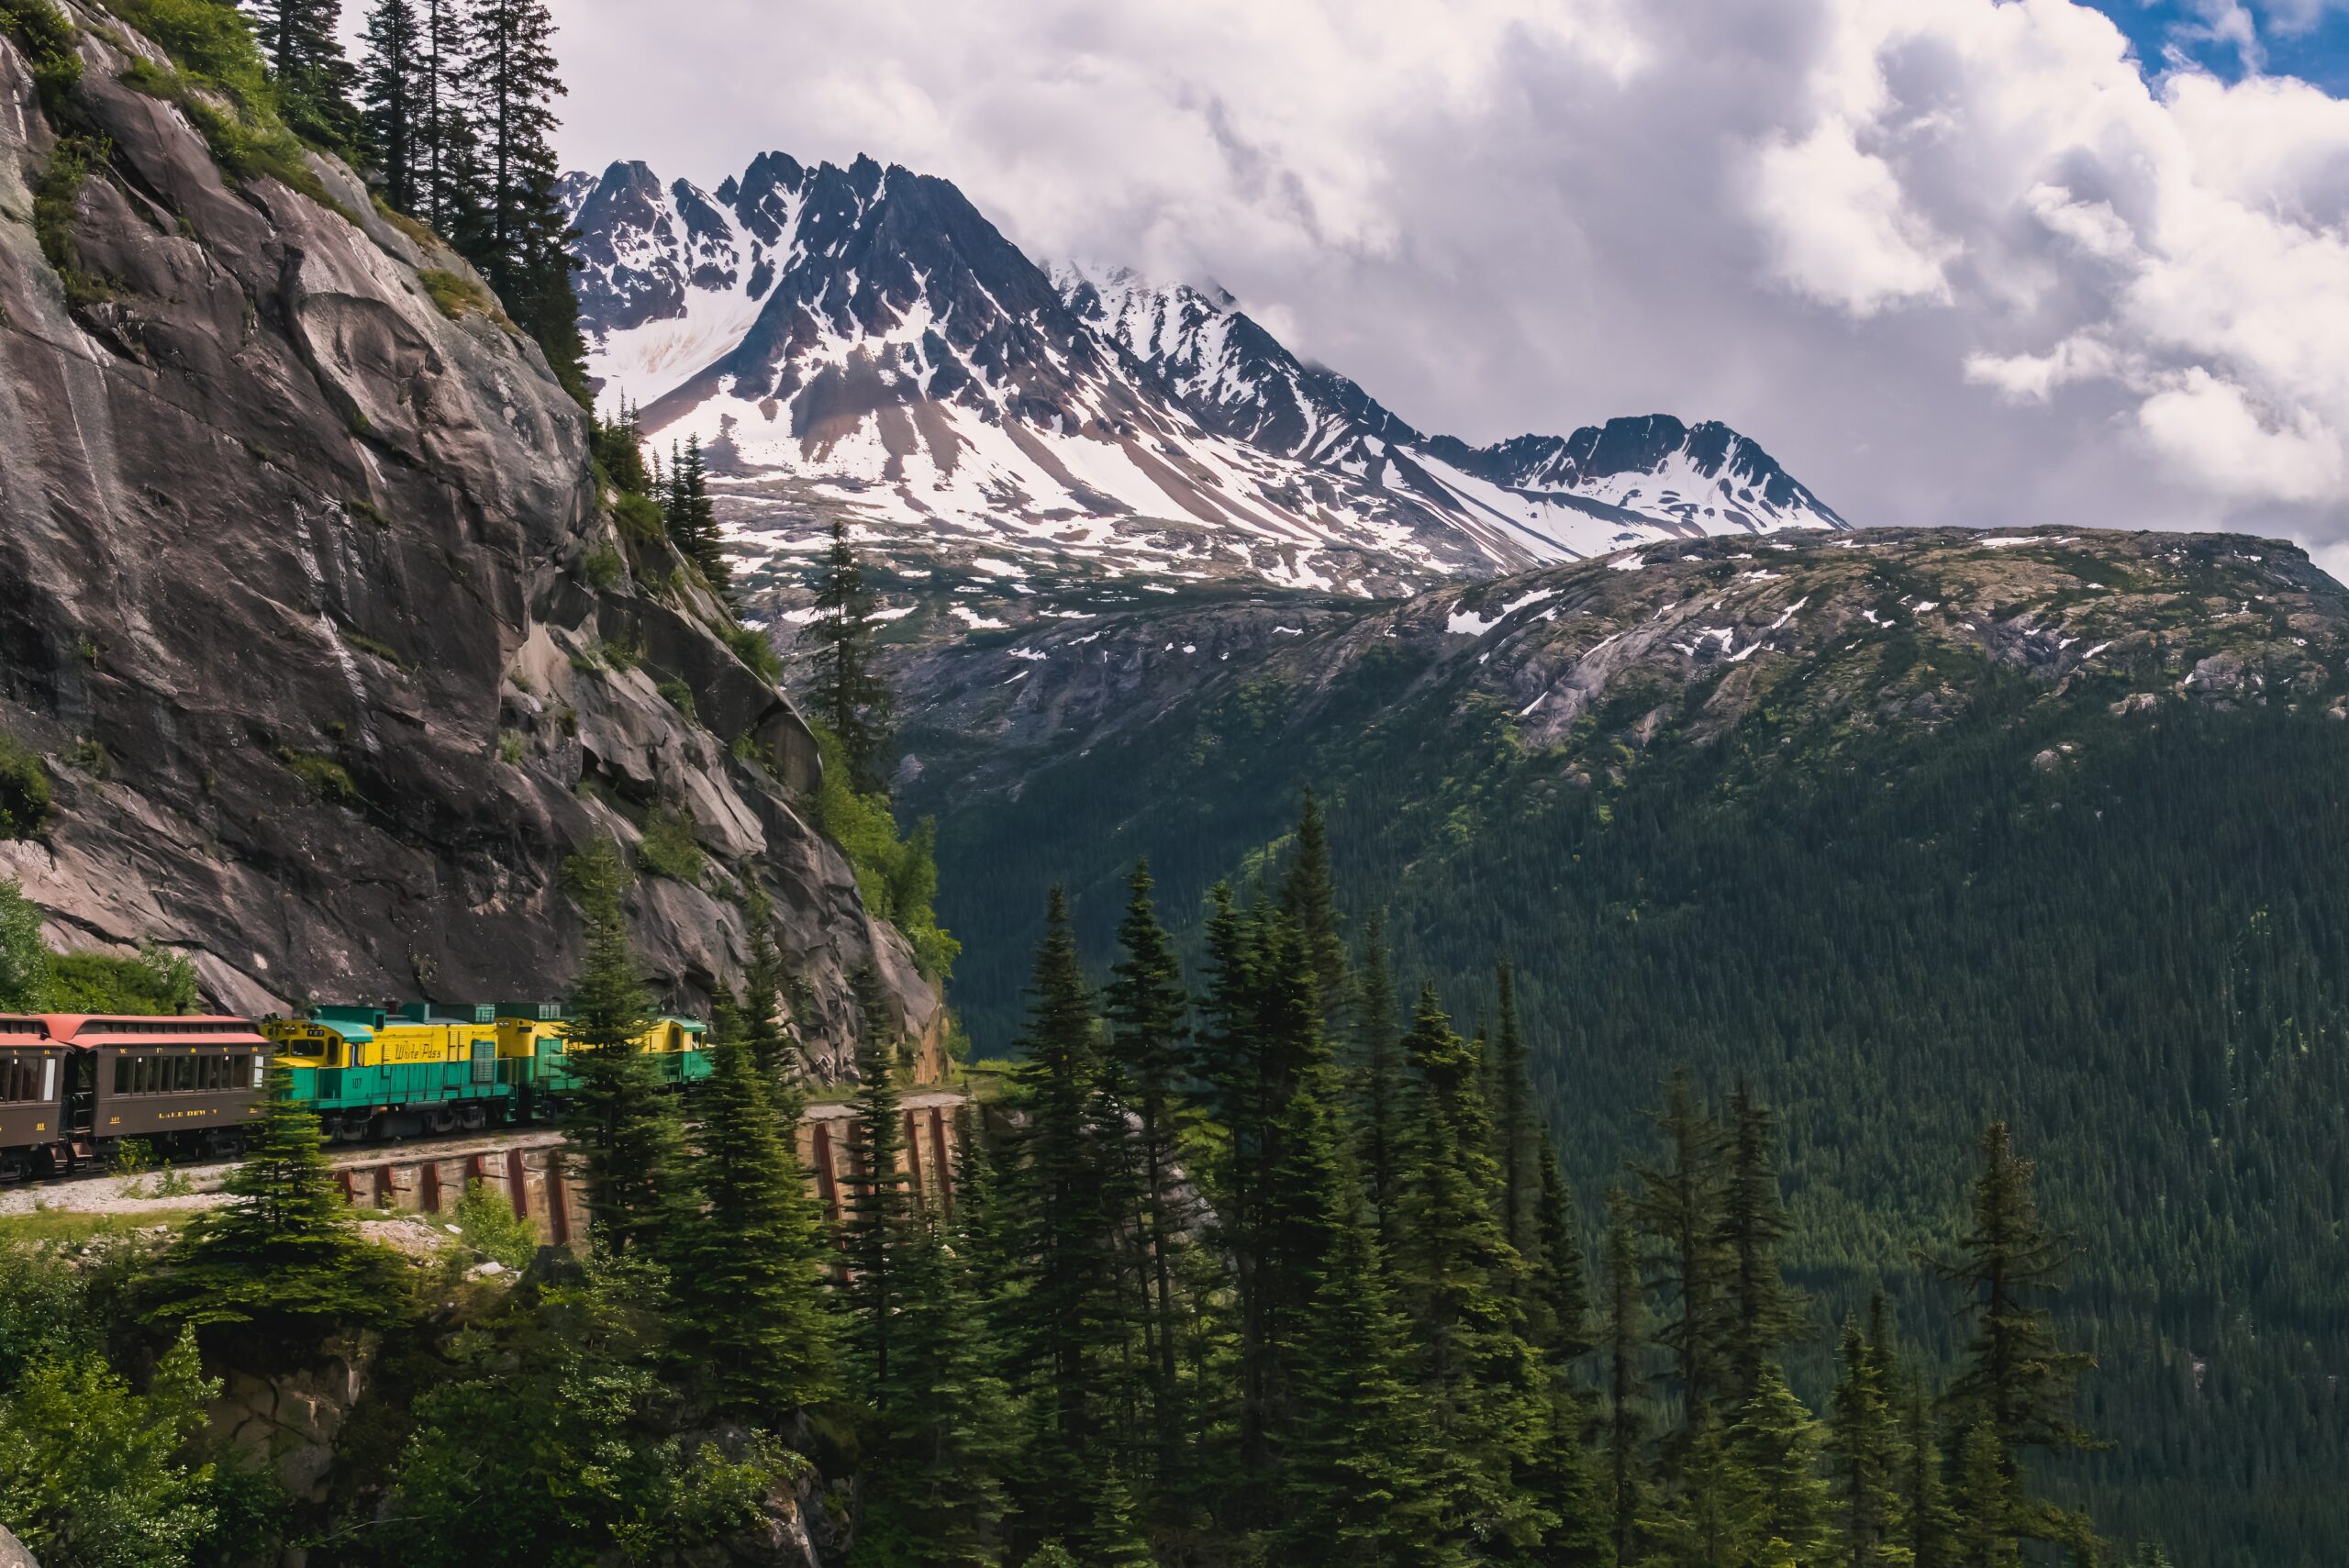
(753, 1265)
(1561, 1291)
(448, 162)
(519, 241)
(1776, 1442)
(1986, 1534)
(692, 518)
(1931, 1525)
(1514, 1128)
(2016, 1387)
(1864, 1441)
(1147, 1006)
(283, 1254)
(849, 698)
(1356, 1472)
(1057, 1239)
(1626, 1344)
(1464, 1283)
(931, 1486)
(301, 40)
(624, 1127)
(1680, 1208)
(879, 1206)
(393, 93)
(1761, 1312)
(1310, 897)
(1378, 1075)
(1712, 1516)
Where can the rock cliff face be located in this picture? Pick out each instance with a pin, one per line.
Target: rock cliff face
(309, 601)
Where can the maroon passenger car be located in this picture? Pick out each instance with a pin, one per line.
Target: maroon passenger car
(187, 1086)
(34, 1069)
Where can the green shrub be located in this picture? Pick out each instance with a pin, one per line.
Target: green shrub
(24, 790)
(639, 517)
(602, 567)
(897, 876)
(366, 644)
(487, 1224)
(214, 52)
(680, 697)
(669, 847)
(509, 747)
(158, 981)
(752, 647)
(55, 201)
(89, 756)
(47, 39)
(327, 779)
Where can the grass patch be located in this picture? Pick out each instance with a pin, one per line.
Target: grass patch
(327, 779)
(669, 847)
(679, 696)
(366, 644)
(418, 232)
(456, 295)
(509, 747)
(65, 1226)
(24, 790)
(90, 757)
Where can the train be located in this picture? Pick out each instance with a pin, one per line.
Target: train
(75, 1089)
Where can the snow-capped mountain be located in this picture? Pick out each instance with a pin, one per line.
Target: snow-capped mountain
(862, 339)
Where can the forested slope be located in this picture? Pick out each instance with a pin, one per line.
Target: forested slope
(2048, 829)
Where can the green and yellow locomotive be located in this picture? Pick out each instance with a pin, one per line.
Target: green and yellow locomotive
(430, 1067)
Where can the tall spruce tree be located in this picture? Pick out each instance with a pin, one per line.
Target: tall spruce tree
(1146, 1008)
(880, 1206)
(283, 1254)
(1310, 897)
(1379, 1130)
(753, 1269)
(931, 1487)
(448, 162)
(1058, 1240)
(849, 698)
(1761, 1313)
(1864, 1437)
(624, 1125)
(1356, 1474)
(519, 242)
(1514, 1127)
(301, 40)
(1930, 1531)
(2016, 1389)
(1778, 1443)
(1463, 1284)
(1680, 1208)
(693, 517)
(393, 94)
(1626, 1341)
(1561, 1287)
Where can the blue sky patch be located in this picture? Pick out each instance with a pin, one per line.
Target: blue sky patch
(2307, 39)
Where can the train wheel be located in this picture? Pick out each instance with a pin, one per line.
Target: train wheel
(13, 1165)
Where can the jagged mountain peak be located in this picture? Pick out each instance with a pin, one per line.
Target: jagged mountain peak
(863, 340)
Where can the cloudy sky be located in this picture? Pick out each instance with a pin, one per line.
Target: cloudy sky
(1949, 260)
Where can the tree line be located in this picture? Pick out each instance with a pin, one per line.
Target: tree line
(450, 113)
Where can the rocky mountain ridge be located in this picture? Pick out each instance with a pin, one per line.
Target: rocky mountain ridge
(1686, 637)
(862, 342)
(314, 613)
